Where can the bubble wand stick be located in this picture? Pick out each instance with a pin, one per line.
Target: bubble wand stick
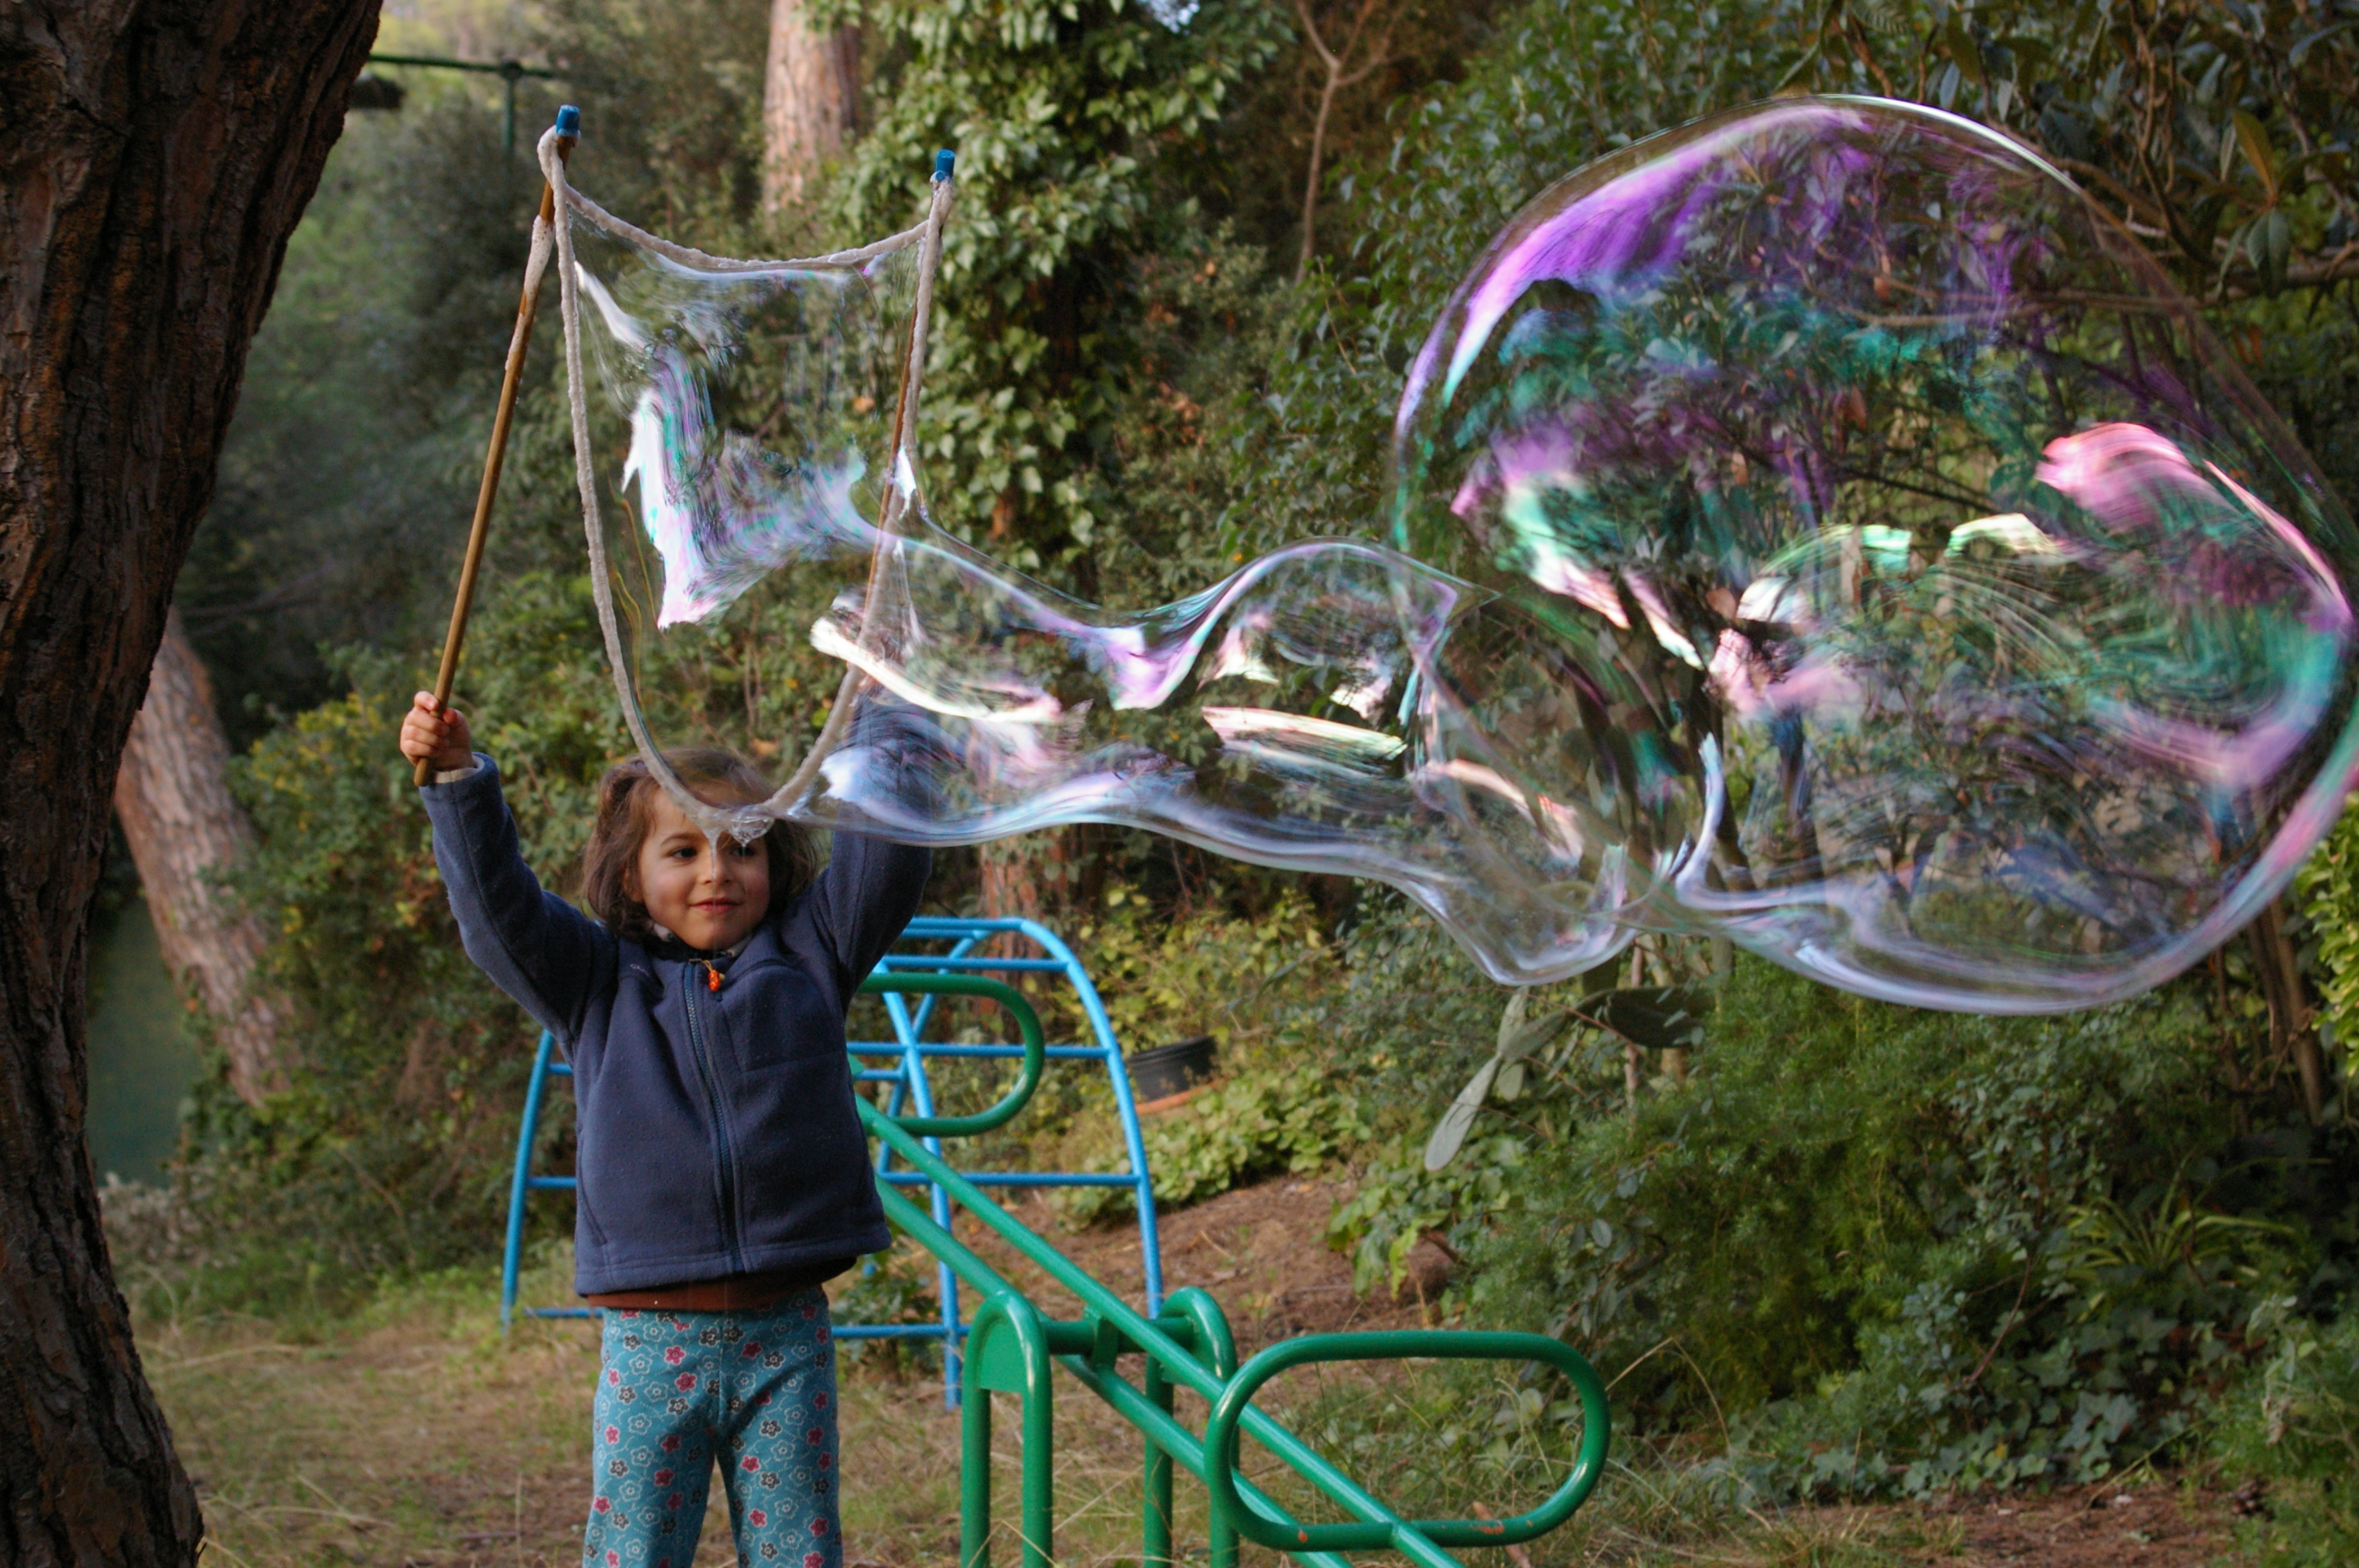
(569, 131)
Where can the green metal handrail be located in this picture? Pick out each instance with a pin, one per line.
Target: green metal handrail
(1036, 1048)
(1221, 1438)
(1177, 1348)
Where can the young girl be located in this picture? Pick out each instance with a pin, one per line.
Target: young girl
(723, 1172)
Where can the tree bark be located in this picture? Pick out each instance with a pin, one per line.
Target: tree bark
(810, 102)
(173, 799)
(2293, 1021)
(153, 156)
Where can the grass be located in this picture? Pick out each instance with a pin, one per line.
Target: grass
(415, 1434)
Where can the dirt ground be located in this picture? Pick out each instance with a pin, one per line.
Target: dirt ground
(426, 1440)
(2105, 1525)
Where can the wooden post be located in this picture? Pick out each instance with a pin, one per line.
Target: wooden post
(567, 119)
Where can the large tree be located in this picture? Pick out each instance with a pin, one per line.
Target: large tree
(810, 101)
(153, 157)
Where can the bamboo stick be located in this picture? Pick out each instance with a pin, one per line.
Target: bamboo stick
(568, 121)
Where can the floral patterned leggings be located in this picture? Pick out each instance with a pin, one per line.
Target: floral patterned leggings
(676, 1390)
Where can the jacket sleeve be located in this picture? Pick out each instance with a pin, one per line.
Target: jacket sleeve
(873, 886)
(539, 949)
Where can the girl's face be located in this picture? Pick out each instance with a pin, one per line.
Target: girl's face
(706, 900)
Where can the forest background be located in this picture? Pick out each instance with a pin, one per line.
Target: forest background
(1894, 1252)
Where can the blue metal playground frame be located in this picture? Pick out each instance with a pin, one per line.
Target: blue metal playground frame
(912, 1091)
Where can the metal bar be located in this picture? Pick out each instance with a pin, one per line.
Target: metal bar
(1010, 1314)
(1145, 1336)
(1155, 1509)
(1459, 1345)
(928, 960)
(1167, 1433)
(975, 1476)
(1027, 1021)
(504, 68)
(964, 1259)
(918, 1084)
(928, 1048)
(511, 1255)
(1150, 1239)
(1022, 1178)
(926, 1009)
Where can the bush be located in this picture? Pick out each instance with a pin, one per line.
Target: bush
(1253, 1125)
(1881, 1250)
(1257, 984)
(2291, 1432)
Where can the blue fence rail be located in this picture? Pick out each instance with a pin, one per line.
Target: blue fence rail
(931, 946)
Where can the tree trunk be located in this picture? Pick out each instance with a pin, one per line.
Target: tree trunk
(2293, 1021)
(157, 154)
(810, 102)
(185, 829)
(1032, 876)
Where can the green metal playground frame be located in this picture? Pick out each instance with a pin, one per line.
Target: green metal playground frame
(1012, 1345)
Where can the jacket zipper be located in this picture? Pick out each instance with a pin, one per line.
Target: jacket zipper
(721, 1141)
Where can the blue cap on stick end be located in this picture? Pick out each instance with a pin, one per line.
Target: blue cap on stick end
(943, 162)
(569, 121)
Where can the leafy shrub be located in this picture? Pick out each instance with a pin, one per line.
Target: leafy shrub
(2329, 885)
(1258, 986)
(1255, 1124)
(1244, 978)
(390, 1152)
(2292, 1425)
(1885, 1250)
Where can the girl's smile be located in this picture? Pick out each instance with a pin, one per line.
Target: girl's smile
(708, 901)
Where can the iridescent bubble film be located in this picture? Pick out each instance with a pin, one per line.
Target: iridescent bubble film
(1818, 525)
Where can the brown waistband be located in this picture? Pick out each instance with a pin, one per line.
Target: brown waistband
(739, 1292)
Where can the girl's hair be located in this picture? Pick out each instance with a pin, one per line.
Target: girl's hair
(625, 794)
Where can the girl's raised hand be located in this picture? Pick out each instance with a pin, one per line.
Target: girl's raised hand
(440, 737)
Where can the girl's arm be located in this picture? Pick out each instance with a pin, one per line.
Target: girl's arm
(539, 949)
(872, 887)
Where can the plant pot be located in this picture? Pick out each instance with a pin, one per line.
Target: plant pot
(1169, 1070)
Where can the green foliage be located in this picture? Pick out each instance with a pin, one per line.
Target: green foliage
(2225, 138)
(2329, 886)
(1558, 86)
(390, 1153)
(2292, 1426)
(1399, 1201)
(1251, 1125)
(1207, 973)
(1257, 984)
(350, 466)
(382, 1156)
(1068, 116)
(671, 98)
(1892, 1250)
(897, 1286)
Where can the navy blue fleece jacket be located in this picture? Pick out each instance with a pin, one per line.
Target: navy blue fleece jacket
(716, 1130)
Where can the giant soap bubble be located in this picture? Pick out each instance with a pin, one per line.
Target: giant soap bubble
(1818, 524)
